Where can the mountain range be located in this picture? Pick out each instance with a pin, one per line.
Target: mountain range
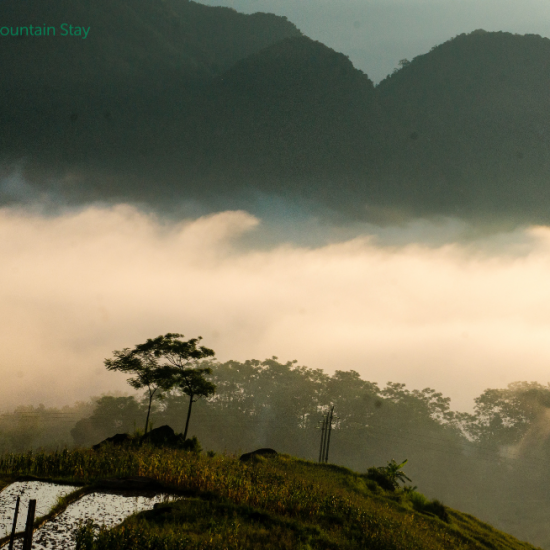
(171, 100)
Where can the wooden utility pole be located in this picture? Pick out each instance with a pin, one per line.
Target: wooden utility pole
(323, 431)
(329, 430)
(12, 537)
(325, 436)
(27, 541)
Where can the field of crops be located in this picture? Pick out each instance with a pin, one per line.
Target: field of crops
(278, 502)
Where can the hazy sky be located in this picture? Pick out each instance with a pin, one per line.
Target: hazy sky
(78, 285)
(376, 34)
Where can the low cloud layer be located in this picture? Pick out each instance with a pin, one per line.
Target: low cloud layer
(74, 287)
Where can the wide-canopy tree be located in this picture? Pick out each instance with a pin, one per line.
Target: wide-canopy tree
(178, 364)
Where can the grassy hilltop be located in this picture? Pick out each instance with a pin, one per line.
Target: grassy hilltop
(279, 502)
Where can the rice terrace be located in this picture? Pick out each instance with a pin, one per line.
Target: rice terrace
(219, 501)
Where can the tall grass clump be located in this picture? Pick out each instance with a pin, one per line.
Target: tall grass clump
(426, 506)
(76, 465)
(418, 500)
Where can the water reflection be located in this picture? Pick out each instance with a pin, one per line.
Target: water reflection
(46, 495)
(103, 509)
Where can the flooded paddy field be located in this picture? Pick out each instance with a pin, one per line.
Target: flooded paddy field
(102, 508)
(46, 495)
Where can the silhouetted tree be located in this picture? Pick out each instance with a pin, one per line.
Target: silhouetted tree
(148, 373)
(181, 368)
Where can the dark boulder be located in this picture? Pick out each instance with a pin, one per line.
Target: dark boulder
(268, 453)
(164, 436)
(118, 439)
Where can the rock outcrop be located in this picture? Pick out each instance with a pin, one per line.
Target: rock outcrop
(164, 436)
(117, 440)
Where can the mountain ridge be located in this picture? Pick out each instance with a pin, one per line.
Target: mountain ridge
(206, 102)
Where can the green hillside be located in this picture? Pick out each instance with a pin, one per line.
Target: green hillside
(122, 100)
(276, 502)
(170, 100)
(474, 114)
(296, 112)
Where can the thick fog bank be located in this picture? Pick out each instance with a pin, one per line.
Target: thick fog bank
(457, 317)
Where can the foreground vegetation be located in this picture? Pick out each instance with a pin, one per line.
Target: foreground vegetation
(279, 502)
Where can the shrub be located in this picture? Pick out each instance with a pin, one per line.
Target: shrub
(388, 477)
(192, 445)
(425, 506)
(418, 501)
(373, 486)
(437, 509)
(378, 475)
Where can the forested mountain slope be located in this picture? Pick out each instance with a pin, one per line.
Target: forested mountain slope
(125, 94)
(475, 124)
(169, 100)
(294, 118)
